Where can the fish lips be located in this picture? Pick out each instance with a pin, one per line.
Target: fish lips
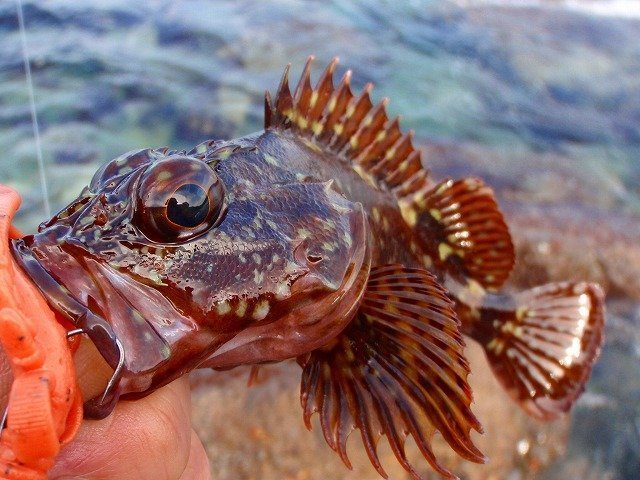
(32, 260)
(107, 306)
(320, 307)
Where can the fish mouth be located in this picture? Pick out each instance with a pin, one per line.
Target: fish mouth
(60, 299)
(318, 308)
(64, 304)
(106, 306)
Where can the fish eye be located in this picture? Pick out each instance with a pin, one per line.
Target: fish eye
(177, 199)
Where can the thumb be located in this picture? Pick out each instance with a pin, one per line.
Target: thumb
(149, 438)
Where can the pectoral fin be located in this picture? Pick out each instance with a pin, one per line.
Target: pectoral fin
(397, 370)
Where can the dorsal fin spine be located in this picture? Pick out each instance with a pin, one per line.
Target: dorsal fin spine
(384, 139)
(284, 101)
(353, 116)
(405, 168)
(371, 125)
(302, 95)
(340, 97)
(323, 91)
(268, 109)
(347, 125)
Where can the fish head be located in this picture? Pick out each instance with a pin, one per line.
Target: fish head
(186, 259)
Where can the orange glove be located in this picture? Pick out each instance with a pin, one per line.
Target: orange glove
(44, 404)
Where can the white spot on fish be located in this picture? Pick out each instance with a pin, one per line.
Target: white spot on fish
(282, 290)
(163, 176)
(242, 308)
(271, 159)
(261, 310)
(223, 308)
(291, 267)
(272, 224)
(496, 346)
(444, 250)
(258, 276)
(328, 247)
(475, 288)
(409, 213)
(303, 233)
(347, 239)
(376, 215)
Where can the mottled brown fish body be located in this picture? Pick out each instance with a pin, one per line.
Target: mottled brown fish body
(390, 234)
(321, 238)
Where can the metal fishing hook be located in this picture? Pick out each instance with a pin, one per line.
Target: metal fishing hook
(72, 333)
(115, 376)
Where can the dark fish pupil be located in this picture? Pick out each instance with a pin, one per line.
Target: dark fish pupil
(188, 206)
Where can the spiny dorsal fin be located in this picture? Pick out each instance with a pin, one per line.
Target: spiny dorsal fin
(345, 124)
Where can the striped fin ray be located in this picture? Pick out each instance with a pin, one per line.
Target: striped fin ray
(347, 125)
(397, 370)
(543, 349)
(461, 228)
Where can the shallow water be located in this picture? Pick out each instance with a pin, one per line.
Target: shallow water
(542, 101)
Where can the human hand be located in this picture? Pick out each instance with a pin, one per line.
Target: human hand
(149, 438)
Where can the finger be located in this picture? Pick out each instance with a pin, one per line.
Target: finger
(6, 379)
(198, 465)
(149, 438)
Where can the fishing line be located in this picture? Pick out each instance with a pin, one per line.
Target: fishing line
(34, 114)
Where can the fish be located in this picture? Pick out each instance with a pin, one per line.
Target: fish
(322, 239)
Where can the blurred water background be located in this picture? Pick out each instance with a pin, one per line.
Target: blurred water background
(540, 98)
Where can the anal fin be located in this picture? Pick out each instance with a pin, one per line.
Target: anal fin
(543, 346)
(397, 370)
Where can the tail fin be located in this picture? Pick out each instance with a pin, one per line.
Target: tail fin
(542, 350)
